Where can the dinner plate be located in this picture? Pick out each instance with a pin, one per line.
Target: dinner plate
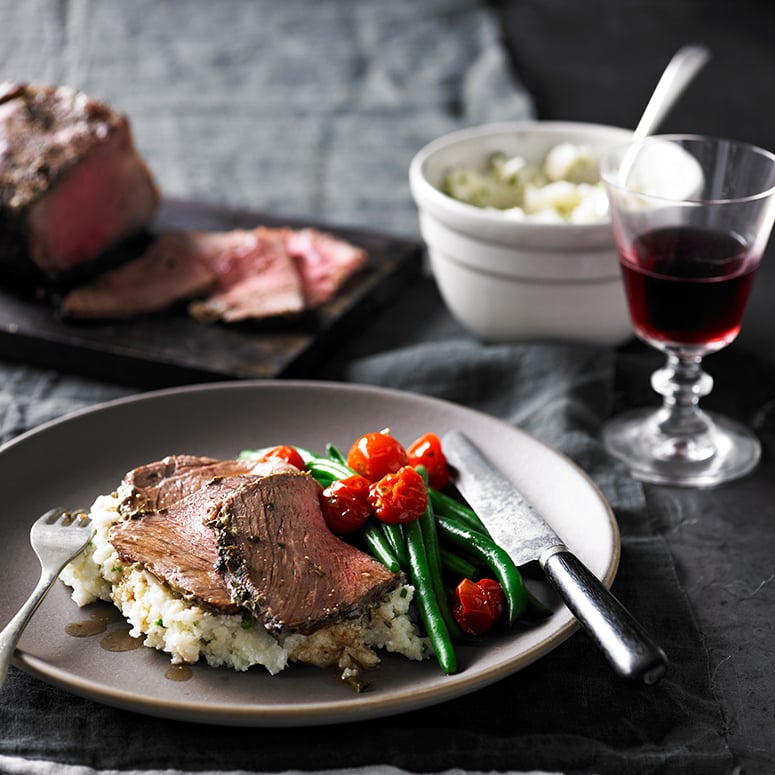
(70, 461)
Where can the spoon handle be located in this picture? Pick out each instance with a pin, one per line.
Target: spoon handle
(684, 65)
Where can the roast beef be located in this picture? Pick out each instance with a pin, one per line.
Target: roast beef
(170, 271)
(72, 184)
(242, 535)
(256, 276)
(283, 564)
(245, 274)
(176, 547)
(324, 262)
(159, 485)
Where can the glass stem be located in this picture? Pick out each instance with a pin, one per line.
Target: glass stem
(684, 432)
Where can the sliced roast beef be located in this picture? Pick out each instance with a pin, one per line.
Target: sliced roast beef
(283, 564)
(266, 272)
(170, 271)
(256, 276)
(246, 274)
(168, 503)
(324, 262)
(245, 536)
(159, 485)
(72, 184)
(175, 546)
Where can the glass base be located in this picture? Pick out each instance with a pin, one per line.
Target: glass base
(727, 450)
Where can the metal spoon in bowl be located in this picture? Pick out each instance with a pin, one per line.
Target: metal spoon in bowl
(681, 69)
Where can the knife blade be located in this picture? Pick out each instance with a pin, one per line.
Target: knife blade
(516, 525)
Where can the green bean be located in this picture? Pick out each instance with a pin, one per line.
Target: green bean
(446, 506)
(324, 469)
(335, 454)
(457, 565)
(394, 535)
(431, 541)
(426, 599)
(497, 560)
(379, 547)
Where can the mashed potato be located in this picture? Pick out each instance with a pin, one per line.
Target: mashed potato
(188, 632)
(566, 187)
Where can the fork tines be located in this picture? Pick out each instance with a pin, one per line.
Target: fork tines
(79, 517)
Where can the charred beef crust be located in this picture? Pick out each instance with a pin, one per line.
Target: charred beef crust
(45, 133)
(33, 157)
(282, 563)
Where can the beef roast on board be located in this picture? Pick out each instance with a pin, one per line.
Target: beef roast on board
(72, 184)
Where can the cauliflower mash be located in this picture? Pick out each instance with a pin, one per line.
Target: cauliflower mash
(564, 188)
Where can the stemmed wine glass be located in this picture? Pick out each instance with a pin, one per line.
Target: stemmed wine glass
(691, 217)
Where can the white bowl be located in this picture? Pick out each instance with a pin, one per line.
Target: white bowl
(508, 280)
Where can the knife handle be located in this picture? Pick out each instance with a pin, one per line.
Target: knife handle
(626, 646)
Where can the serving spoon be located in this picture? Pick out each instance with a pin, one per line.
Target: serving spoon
(680, 71)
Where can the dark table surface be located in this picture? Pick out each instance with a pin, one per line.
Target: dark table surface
(594, 61)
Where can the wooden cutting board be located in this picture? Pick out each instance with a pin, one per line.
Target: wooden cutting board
(172, 348)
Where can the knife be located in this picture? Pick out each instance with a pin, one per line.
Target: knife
(526, 536)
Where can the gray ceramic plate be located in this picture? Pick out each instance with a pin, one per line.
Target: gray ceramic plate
(70, 461)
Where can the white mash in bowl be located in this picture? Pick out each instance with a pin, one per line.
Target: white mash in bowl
(564, 187)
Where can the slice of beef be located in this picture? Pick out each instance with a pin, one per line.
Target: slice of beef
(175, 546)
(282, 562)
(170, 271)
(72, 184)
(257, 277)
(159, 485)
(324, 262)
(164, 514)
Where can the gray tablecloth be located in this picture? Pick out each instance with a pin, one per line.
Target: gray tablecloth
(315, 109)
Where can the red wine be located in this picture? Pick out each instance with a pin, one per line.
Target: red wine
(687, 285)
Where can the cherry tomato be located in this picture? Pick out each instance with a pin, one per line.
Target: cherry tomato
(375, 455)
(345, 504)
(286, 453)
(426, 451)
(399, 497)
(477, 605)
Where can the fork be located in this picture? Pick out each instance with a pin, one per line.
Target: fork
(57, 537)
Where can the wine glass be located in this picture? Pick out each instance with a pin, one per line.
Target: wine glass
(691, 217)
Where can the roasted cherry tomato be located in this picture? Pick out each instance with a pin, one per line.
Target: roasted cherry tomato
(375, 455)
(345, 504)
(426, 451)
(477, 605)
(399, 497)
(287, 453)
